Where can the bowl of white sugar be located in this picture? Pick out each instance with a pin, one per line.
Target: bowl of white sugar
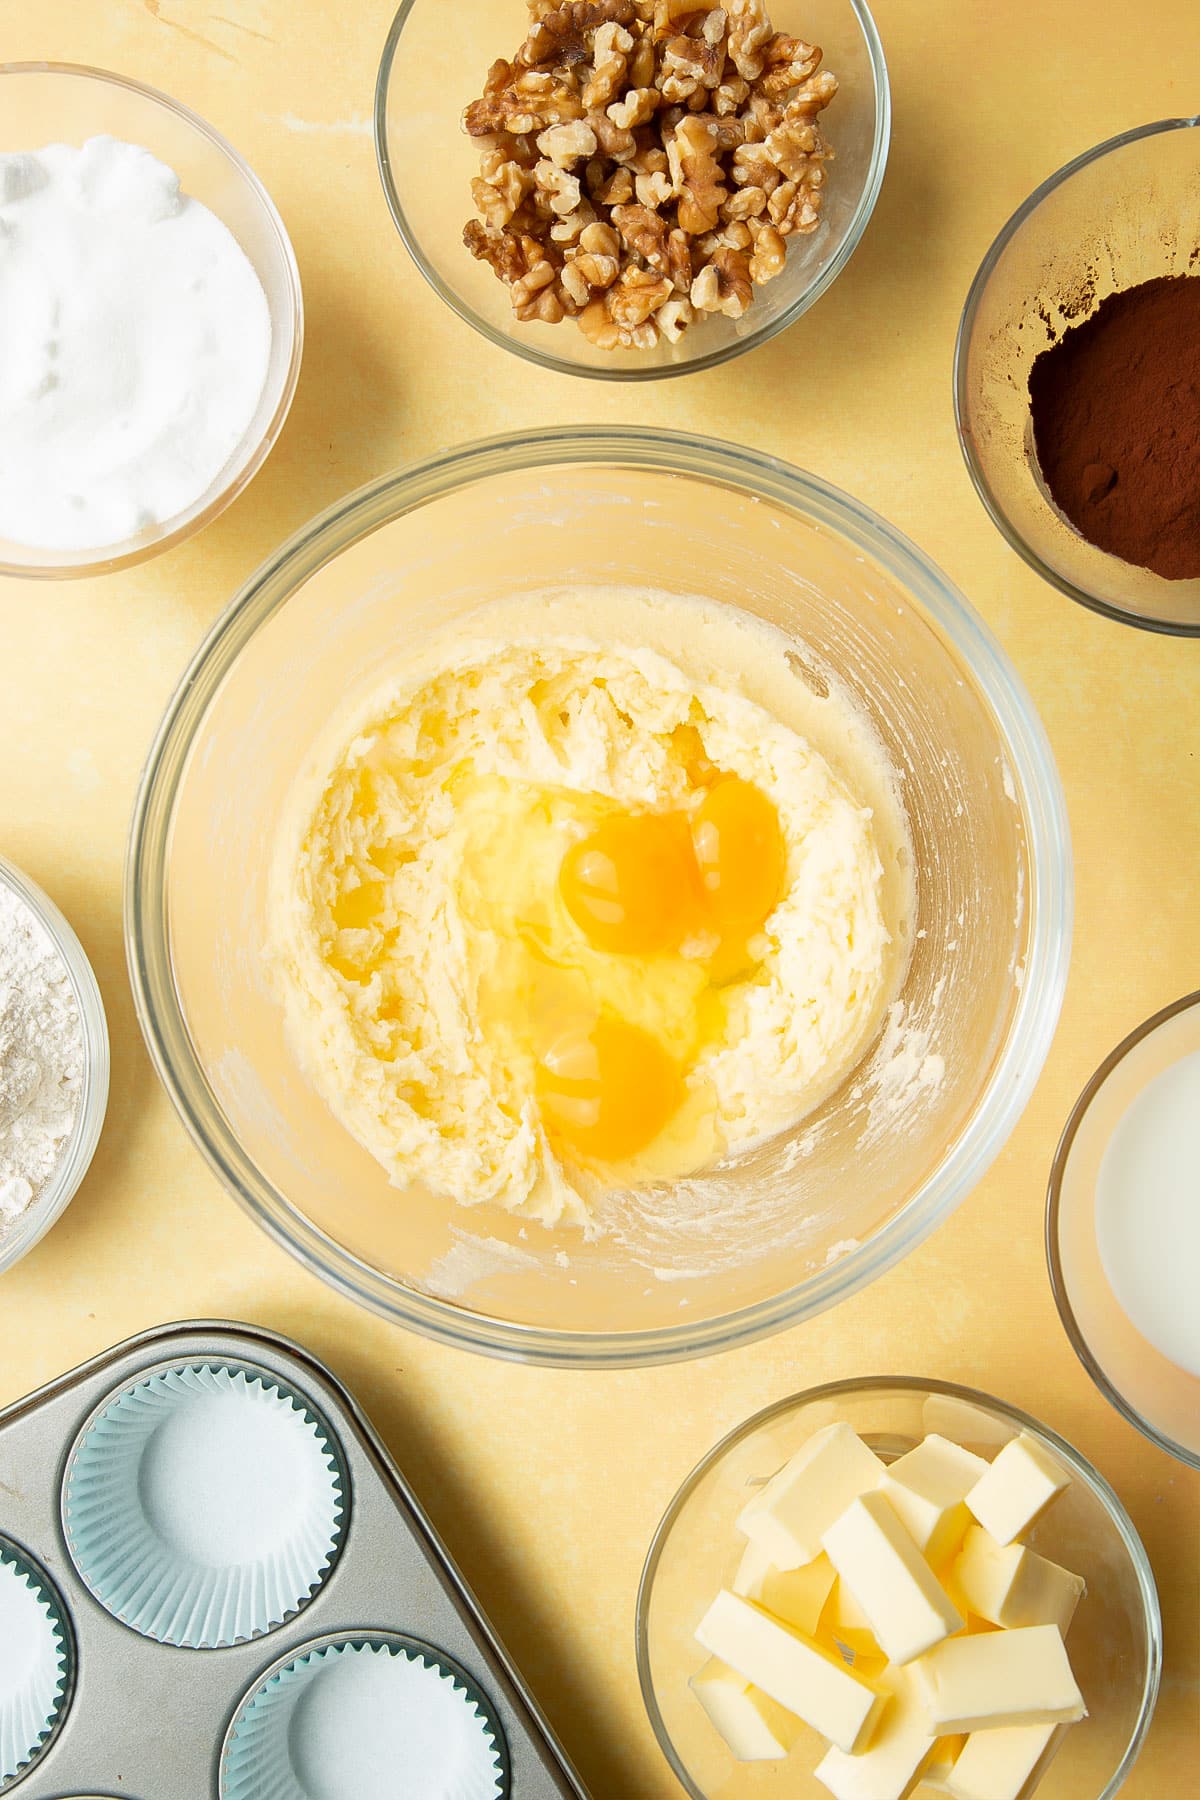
(53, 1064)
(153, 321)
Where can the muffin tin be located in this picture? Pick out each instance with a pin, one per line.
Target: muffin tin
(215, 1581)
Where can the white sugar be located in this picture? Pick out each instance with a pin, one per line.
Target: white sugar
(134, 350)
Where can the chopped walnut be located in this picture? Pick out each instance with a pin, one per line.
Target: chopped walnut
(644, 163)
(788, 63)
(618, 190)
(564, 36)
(520, 103)
(724, 285)
(499, 192)
(598, 325)
(644, 232)
(611, 48)
(749, 34)
(673, 317)
(562, 191)
(567, 144)
(654, 190)
(571, 229)
(745, 203)
(732, 94)
(666, 15)
(770, 254)
(697, 173)
(637, 295)
(615, 141)
(692, 66)
(639, 105)
(600, 240)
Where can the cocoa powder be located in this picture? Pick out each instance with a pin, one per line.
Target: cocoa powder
(1116, 425)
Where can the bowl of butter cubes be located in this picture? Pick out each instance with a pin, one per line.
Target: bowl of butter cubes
(892, 1587)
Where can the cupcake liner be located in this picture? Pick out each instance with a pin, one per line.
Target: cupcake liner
(377, 1716)
(205, 1506)
(35, 1661)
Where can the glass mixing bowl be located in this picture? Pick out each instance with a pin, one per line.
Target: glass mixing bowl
(779, 1233)
(429, 75)
(44, 103)
(1115, 1641)
(1120, 214)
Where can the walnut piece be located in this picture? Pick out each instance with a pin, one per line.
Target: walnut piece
(692, 154)
(644, 162)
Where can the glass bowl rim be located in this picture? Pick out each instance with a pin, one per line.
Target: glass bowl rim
(922, 1385)
(717, 463)
(562, 365)
(1058, 1280)
(962, 344)
(80, 1147)
(108, 563)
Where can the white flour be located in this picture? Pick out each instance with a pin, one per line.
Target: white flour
(41, 1057)
(133, 350)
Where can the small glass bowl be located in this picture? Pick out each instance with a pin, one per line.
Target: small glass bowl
(1123, 213)
(1153, 1393)
(20, 1237)
(1115, 1642)
(43, 103)
(428, 76)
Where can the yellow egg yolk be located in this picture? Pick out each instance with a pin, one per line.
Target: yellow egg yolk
(741, 855)
(645, 884)
(632, 885)
(606, 1088)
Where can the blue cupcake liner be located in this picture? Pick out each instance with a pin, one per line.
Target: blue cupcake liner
(374, 1714)
(35, 1662)
(206, 1505)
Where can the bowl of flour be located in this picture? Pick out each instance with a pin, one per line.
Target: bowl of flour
(153, 322)
(53, 1064)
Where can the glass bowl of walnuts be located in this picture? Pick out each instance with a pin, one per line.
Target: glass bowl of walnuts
(630, 189)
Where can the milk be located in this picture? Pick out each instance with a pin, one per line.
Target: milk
(1148, 1212)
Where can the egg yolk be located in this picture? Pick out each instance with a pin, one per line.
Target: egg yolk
(644, 884)
(741, 855)
(607, 1088)
(631, 885)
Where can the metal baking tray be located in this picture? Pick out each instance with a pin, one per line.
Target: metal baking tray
(149, 1720)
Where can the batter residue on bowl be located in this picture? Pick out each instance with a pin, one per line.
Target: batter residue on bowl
(594, 890)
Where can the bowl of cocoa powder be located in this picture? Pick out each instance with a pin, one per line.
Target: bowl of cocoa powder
(1077, 379)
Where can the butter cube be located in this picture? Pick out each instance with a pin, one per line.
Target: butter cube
(845, 1622)
(754, 1727)
(1018, 1486)
(889, 1769)
(792, 1670)
(928, 1489)
(905, 1605)
(788, 1516)
(996, 1678)
(999, 1765)
(794, 1595)
(1010, 1585)
(939, 1767)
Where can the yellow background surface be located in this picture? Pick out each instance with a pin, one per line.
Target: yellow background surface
(548, 1485)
